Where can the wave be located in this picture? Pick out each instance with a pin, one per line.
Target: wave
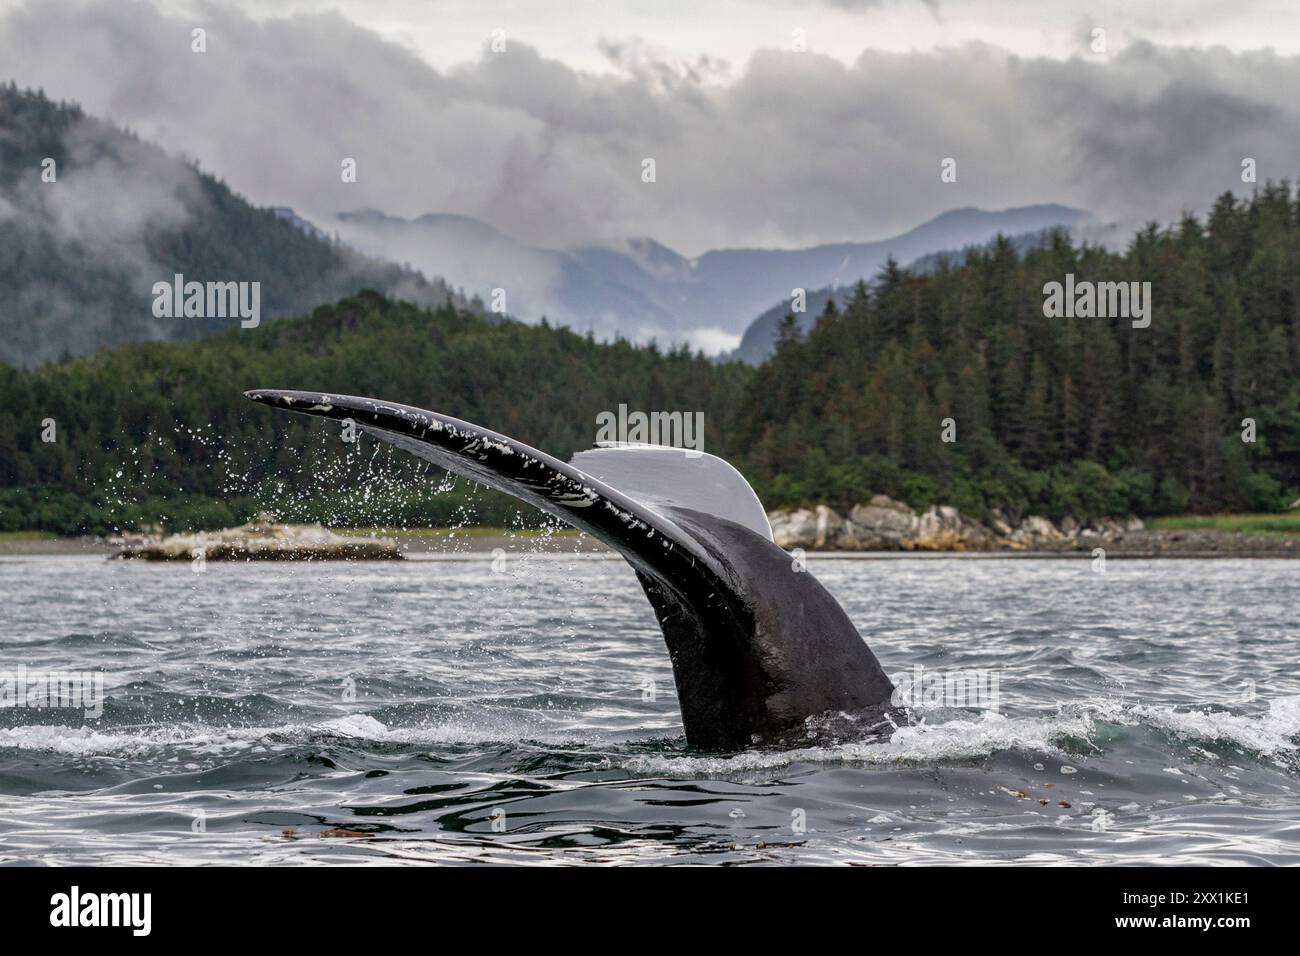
(200, 739)
(1270, 734)
(1265, 735)
(1076, 727)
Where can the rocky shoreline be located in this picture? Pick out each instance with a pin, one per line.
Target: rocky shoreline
(884, 524)
(881, 526)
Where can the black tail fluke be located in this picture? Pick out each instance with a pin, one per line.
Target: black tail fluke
(757, 644)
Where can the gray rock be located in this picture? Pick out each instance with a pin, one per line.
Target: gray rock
(884, 519)
(1108, 528)
(1036, 531)
(262, 539)
(884, 524)
(793, 529)
(944, 528)
(828, 527)
(998, 522)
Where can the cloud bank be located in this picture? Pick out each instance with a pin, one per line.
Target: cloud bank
(786, 149)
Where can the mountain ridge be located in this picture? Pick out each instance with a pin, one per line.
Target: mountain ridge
(80, 256)
(92, 216)
(760, 338)
(640, 288)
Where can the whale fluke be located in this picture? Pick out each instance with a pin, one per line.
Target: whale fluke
(757, 644)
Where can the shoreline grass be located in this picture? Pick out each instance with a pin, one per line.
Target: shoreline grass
(1287, 522)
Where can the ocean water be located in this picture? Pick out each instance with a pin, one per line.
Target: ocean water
(457, 711)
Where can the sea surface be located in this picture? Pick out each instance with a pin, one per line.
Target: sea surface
(522, 710)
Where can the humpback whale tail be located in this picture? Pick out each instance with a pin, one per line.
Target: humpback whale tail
(757, 645)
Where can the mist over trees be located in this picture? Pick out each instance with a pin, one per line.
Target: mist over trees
(91, 217)
(1054, 416)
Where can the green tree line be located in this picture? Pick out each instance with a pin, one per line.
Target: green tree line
(1081, 416)
(159, 433)
(1056, 416)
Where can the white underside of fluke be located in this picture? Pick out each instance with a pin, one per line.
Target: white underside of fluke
(659, 476)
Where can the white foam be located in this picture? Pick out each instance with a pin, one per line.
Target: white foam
(1268, 734)
(85, 741)
(920, 744)
(362, 726)
(1272, 734)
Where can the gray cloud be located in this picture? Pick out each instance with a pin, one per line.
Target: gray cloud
(114, 194)
(932, 5)
(786, 149)
(117, 199)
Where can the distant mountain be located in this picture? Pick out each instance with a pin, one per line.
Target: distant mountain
(83, 241)
(731, 286)
(642, 289)
(598, 290)
(80, 255)
(759, 340)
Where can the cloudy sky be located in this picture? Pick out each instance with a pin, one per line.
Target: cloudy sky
(771, 124)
